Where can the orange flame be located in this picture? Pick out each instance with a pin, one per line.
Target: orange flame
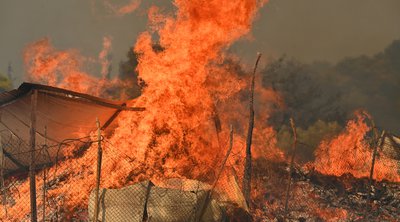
(63, 68)
(187, 86)
(48, 66)
(350, 153)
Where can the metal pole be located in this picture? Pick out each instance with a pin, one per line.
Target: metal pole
(98, 172)
(32, 166)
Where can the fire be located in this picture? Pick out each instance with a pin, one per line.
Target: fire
(181, 93)
(350, 153)
(48, 66)
(188, 87)
(64, 68)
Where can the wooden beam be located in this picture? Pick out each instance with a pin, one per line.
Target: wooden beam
(111, 119)
(15, 161)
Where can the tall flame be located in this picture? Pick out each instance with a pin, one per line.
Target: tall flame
(46, 65)
(180, 100)
(192, 93)
(189, 87)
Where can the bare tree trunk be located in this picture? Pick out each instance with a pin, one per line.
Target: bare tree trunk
(98, 172)
(248, 165)
(292, 124)
(32, 164)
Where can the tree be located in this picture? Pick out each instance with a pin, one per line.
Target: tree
(309, 138)
(306, 96)
(5, 83)
(372, 83)
(129, 75)
(133, 84)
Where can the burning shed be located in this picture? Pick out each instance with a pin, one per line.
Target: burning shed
(61, 115)
(48, 132)
(36, 121)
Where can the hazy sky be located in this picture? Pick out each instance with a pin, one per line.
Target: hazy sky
(306, 29)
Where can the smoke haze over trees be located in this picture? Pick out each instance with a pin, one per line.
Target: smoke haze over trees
(322, 96)
(322, 91)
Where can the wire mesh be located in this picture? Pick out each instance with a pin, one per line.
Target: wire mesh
(65, 186)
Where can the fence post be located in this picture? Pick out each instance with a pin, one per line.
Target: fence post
(98, 172)
(145, 213)
(44, 178)
(378, 141)
(248, 160)
(32, 165)
(2, 185)
(292, 124)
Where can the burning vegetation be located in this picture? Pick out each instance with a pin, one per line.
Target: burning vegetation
(193, 90)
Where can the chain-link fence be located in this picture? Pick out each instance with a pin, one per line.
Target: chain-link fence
(49, 171)
(66, 182)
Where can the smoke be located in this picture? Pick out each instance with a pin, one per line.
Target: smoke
(121, 10)
(331, 92)
(105, 58)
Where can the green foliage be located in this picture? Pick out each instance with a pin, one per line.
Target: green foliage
(331, 92)
(372, 83)
(306, 97)
(5, 83)
(308, 139)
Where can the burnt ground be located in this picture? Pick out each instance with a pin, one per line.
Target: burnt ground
(318, 197)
